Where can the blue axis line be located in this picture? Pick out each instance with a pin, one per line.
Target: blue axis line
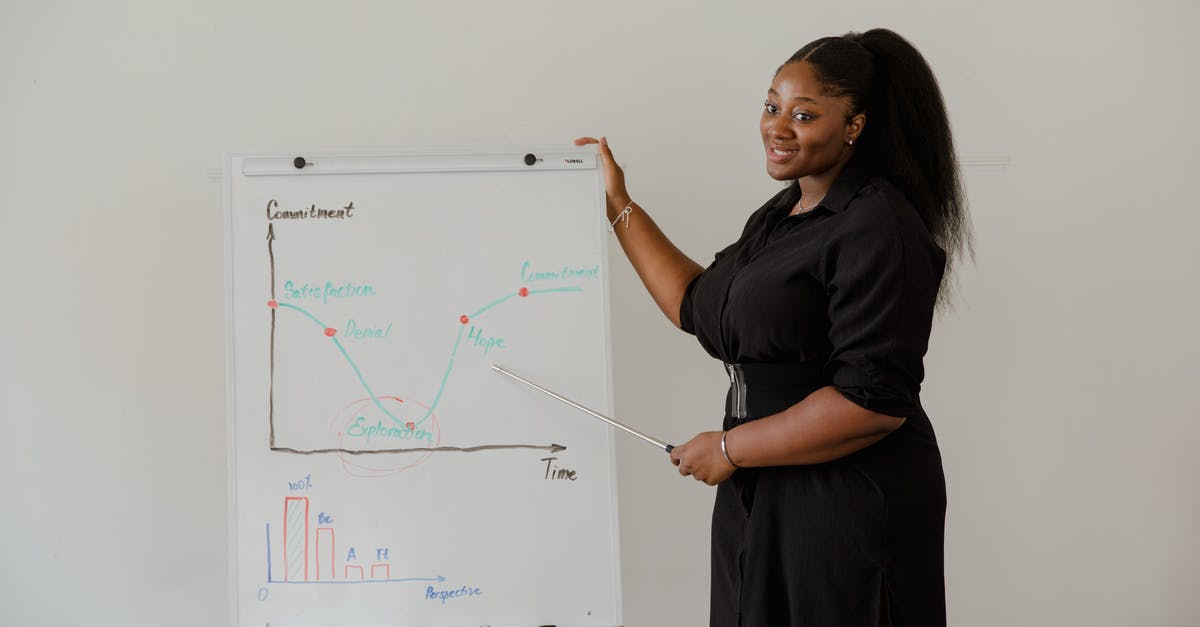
(271, 580)
(449, 366)
(358, 581)
(268, 551)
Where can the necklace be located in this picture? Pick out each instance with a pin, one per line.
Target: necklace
(802, 209)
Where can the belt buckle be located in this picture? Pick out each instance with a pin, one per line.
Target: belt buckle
(737, 392)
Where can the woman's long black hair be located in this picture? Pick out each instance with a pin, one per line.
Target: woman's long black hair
(907, 135)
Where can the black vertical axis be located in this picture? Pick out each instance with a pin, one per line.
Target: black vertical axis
(553, 448)
(271, 394)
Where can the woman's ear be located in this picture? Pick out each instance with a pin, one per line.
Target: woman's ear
(854, 127)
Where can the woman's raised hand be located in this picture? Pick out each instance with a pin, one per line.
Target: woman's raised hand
(663, 268)
(614, 178)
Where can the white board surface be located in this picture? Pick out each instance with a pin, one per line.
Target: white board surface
(381, 472)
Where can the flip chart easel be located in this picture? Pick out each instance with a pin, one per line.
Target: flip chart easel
(380, 472)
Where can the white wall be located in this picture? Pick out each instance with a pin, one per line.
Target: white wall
(1062, 386)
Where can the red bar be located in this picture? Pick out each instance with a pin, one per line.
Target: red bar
(326, 550)
(286, 570)
(387, 571)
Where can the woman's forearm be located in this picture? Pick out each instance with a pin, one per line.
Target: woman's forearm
(663, 268)
(823, 427)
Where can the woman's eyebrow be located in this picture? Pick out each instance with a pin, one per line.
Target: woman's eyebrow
(796, 99)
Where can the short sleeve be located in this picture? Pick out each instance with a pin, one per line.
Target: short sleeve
(702, 298)
(687, 307)
(686, 319)
(881, 272)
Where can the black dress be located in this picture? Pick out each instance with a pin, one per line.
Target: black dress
(840, 296)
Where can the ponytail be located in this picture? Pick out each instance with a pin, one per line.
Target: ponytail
(907, 135)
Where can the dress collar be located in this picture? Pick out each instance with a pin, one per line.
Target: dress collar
(844, 188)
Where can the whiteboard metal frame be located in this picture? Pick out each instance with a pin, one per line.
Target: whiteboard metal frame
(414, 159)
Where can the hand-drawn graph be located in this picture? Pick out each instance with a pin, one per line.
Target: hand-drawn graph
(381, 471)
(310, 553)
(399, 418)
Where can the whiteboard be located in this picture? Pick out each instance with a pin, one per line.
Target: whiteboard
(381, 473)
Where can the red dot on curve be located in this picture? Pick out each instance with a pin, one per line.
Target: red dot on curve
(330, 331)
(464, 319)
(524, 291)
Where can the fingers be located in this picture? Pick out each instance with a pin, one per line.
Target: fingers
(685, 470)
(697, 459)
(705, 478)
(678, 462)
(605, 151)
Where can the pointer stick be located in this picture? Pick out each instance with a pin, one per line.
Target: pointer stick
(660, 444)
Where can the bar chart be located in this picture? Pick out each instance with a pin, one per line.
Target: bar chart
(310, 553)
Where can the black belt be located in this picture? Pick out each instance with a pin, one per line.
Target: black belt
(757, 390)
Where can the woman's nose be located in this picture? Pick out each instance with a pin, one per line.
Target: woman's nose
(779, 127)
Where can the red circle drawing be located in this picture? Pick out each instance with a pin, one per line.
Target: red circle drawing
(376, 466)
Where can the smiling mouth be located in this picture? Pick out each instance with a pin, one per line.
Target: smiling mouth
(779, 154)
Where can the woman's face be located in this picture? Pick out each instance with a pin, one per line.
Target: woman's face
(804, 131)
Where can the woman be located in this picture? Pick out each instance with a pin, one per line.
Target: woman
(830, 503)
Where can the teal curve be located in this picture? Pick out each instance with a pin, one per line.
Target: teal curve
(449, 366)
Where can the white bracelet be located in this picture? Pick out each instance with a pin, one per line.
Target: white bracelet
(624, 215)
(725, 452)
